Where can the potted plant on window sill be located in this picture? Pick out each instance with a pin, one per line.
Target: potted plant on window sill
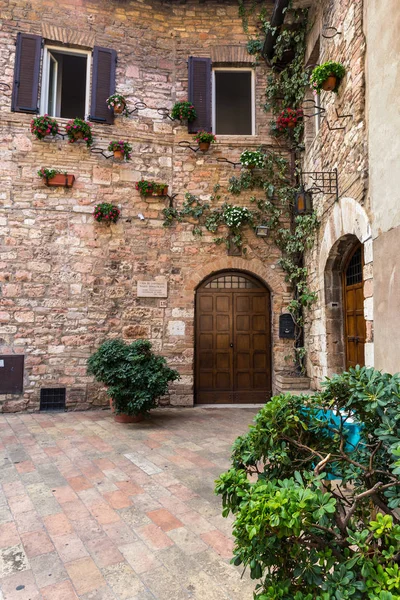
(183, 110)
(252, 159)
(106, 213)
(55, 178)
(327, 77)
(43, 126)
(78, 129)
(117, 103)
(135, 377)
(204, 139)
(122, 150)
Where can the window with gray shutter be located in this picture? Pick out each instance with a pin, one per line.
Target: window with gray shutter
(103, 84)
(199, 93)
(26, 73)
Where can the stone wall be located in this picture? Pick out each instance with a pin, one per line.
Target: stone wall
(346, 218)
(66, 282)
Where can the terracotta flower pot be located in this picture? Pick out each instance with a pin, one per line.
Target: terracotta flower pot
(121, 418)
(78, 135)
(118, 109)
(60, 180)
(204, 146)
(163, 191)
(118, 155)
(330, 83)
(291, 124)
(251, 167)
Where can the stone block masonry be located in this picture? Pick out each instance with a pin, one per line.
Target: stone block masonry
(68, 283)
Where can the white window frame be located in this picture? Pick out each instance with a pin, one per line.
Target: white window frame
(253, 97)
(44, 95)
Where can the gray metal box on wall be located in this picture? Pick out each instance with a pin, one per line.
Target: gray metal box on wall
(11, 373)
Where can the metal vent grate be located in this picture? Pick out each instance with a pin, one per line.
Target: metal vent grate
(52, 399)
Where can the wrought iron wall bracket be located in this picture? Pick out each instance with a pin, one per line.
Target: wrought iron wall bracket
(330, 36)
(5, 85)
(171, 198)
(186, 144)
(102, 152)
(235, 164)
(163, 111)
(325, 182)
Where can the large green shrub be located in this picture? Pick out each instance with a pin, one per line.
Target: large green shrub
(318, 518)
(134, 375)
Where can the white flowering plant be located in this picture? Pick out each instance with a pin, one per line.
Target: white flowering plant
(236, 216)
(252, 159)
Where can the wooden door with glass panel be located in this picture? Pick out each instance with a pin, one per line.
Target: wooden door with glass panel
(353, 301)
(233, 340)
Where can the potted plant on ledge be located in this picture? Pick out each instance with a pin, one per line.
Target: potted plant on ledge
(134, 375)
(122, 150)
(42, 126)
(55, 178)
(204, 139)
(327, 77)
(106, 213)
(117, 103)
(78, 129)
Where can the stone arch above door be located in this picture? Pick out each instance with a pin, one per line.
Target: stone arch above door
(273, 279)
(347, 224)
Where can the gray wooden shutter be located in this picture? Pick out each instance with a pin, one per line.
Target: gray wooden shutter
(103, 84)
(26, 73)
(199, 93)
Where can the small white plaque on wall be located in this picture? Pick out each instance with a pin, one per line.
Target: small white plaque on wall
(152, 289)
(176, 328)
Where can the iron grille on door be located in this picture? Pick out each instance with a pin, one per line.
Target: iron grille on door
(231, 282)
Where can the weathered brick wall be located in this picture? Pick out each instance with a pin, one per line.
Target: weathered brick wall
(344, 149)
(66, 282)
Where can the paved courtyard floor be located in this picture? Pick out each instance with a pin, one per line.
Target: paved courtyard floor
(96, 510)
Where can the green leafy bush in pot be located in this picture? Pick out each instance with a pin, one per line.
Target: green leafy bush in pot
(183, 110)
(316, 506)
(42, 126)
(134, 375)
(321, 73)
(252, 158)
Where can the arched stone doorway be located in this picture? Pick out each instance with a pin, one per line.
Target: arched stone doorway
(344, 305)
(233, 340)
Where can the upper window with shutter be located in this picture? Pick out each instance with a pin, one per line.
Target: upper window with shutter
(68, 76)
(223, 98)
(65, 82)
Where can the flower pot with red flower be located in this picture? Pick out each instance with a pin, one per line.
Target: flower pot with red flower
(55, 178)
(135, 377)
(327, 77)
(204, 139)
(183, 110)
(289, 118)
(122, 150)
(117, 103)
(43, 126)
(78, 129)
(145, 187)
(106, 213)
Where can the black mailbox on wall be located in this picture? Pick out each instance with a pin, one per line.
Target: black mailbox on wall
(11, 373)
(286, 326)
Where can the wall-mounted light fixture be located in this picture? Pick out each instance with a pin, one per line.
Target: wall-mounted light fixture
(303, 202)
(262, 231)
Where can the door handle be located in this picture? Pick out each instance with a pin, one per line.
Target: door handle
(231, 345)
(351, 339)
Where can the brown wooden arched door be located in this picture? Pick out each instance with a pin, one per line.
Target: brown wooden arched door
(353, 303)
(233, 340)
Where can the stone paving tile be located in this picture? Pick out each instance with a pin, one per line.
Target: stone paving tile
(94, 510)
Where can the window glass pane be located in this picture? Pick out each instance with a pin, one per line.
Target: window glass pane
(233, 103)
(71, 88)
